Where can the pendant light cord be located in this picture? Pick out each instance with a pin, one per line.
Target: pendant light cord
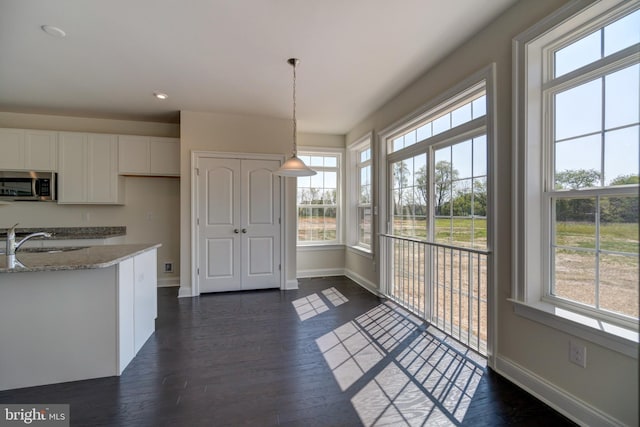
(295, 124)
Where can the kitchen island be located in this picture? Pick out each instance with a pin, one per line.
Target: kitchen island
(76, 313)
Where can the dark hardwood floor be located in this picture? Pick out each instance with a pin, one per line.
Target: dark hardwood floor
(328, 354)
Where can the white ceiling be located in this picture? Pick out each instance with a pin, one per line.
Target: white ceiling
(225, 55)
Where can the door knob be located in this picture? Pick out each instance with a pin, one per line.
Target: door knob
(244, 230)
(235, 230)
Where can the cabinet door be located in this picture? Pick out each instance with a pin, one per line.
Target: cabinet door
(103, 168)
(164, 156)
(41, 150)
(133, 155)
(145, 296)
(72, 168)
(126, 314)
(12, 149)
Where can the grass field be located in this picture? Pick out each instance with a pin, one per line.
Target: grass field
(465, 232)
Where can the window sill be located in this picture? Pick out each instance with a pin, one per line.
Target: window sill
(359, 250)
(319, 247)
(610, 336)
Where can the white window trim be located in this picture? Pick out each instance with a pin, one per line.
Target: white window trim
(528, 293)
(320, 247)
(323, 151)
(353, 193)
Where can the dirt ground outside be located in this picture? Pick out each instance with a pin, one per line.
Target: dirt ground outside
(457, 303)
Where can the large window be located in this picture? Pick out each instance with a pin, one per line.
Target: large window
(436, 211)
(361, 197)
(578, 223)
(319, 200)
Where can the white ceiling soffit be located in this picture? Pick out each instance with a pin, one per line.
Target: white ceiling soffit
(225, 55)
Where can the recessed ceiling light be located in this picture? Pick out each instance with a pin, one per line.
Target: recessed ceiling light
(160, 95)
(53, 31)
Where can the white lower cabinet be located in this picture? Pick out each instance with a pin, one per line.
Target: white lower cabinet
(126, 315)
(145, 297)
(137, 305)
(88, 169)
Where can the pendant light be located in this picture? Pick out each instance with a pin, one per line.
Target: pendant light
(294, 167)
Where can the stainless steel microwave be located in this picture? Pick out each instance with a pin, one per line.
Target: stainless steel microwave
(27, 186)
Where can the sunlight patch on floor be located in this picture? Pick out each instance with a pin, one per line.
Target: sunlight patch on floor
(309, 306)
(312, 305)
(334, 296)
(349, 353)
(420, 378)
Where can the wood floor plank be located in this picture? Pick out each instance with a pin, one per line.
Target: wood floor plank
(259, 359)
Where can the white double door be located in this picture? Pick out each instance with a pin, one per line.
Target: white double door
(238, 224)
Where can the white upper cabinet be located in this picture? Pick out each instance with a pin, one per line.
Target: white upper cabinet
(41, 150)
(88, 169)
(151, 156)
(164, 156)
(133, 155)
(28, 150)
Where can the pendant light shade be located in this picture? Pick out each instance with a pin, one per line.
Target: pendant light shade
(294, 167)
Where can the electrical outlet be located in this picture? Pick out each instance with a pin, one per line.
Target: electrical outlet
(168, 267)
(578, 354)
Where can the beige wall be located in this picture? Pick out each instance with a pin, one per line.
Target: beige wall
(320, 140)
(233, 134)
(151, 209)
(317, 262)
(610, 382)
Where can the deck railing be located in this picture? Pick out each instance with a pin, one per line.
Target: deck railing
(445, 285)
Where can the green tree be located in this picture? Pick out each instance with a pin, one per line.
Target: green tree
(423, 189)
(471, 203)
(444, 176)
(576, 178)
(400, 182)
(626, 180)
(620, 209)
(576, 209)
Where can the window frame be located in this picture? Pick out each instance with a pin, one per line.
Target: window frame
(533, 91)
(438, 105)
(321, 151)
(354, 185)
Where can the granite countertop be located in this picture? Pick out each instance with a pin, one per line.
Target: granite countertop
(71, 233)
(74, 258)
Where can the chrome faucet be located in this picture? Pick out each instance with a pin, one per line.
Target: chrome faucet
(12, 246)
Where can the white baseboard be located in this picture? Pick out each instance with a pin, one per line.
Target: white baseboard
(328, 272)
(169, 282)
(320, 272)
(291, 285)
(184, 292)
(365, 283)
(563, 402)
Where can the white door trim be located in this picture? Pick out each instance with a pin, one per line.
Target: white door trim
(195, 251)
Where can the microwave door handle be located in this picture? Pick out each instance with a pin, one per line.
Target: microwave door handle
(34, 187)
